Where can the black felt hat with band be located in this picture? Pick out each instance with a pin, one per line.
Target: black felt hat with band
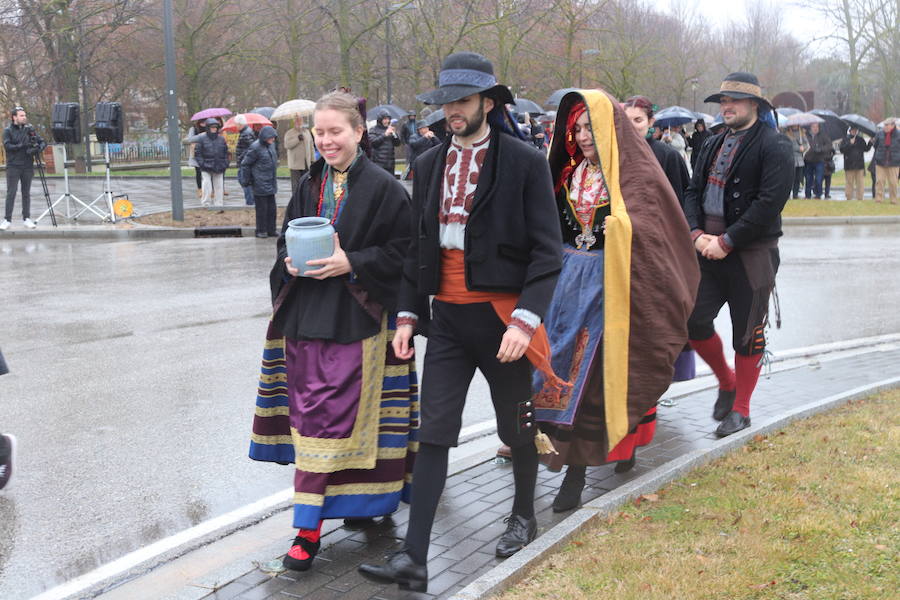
(464, 74)
(740, 85)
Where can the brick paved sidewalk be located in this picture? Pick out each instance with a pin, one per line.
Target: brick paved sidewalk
(470, 518)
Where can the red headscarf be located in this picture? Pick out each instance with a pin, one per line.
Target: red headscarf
(574, 152)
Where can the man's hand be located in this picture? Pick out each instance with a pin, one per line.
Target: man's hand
(334, 266)
(389, 130)
(714, 250)
(513, 345)
(703, 241)
(403, 349)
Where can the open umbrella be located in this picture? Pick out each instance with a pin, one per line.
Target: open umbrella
(674, 115)
(392, 109)
(293, 108)
(265, 111)
(834, 128)
(434, 117)
(209, 113)
(803, 119)
(524, 105)
(860, 122)
(252, 119)
(788, 111)
(707, 118)
(557, 96)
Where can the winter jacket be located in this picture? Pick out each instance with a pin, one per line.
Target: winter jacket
(418, 144)
(819, 146)
(757, 185)
(211, 153)
(21, 142)
(887, 156)
(383, 147)
(800, 145)
(245, 139)
(853, 150)
(260, 164)
(299, 146)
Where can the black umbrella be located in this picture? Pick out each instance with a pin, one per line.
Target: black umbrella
(557, 96)
(392, 109)
(523, 105)
(860, 122)
(434, 117)
(833, 127)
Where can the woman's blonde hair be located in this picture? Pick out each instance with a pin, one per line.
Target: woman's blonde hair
(342, 102)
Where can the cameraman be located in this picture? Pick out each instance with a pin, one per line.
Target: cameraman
(22, 143)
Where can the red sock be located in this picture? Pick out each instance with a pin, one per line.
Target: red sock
(748, 369)
(308, 534)
(711, 351)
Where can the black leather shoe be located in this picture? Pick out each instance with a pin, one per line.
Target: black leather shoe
(623, 466)
(569, 495)
(260, 234)
(400, 569)
(723, 404)
(733, 423)
(519, 533)
(359, 524)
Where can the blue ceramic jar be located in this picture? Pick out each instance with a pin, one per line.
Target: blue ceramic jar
(309, 238)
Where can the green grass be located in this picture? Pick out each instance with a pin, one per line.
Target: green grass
(829, 208)
(808, 513)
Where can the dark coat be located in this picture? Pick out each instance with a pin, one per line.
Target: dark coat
(696, 143)
(211, 153)
(853, 152)
(383, 147)
(757, 185)
(260, 166)
(819, 148)
(21, 143)
(673, 166)
(245, 139)
(887, 156)
(374, 232)
(418, 144)
(512, 240)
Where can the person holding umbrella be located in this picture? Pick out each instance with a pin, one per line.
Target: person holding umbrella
(800, 145)
(887, 160)
(299, 145)
(853, 147)
(246, 137)
(383, 138)
(814, 161)
(257, 173)
(212, 159)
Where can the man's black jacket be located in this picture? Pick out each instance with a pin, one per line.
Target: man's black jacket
(757, 185)
(21, 143)
(512, 241)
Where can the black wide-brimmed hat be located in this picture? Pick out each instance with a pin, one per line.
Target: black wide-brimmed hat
(740, 85)
(464, 74)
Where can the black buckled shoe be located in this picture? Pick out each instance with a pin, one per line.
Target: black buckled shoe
(724, 403)
(519, 533)
(400, 569)
(359, 523)
(733, 423)
(623, 466)
(293, 561)
(569, 495)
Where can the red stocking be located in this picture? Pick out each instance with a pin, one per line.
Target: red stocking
(711, 351)
(748, 369)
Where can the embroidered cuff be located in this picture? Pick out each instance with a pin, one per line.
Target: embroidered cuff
(407, 318)
(724, 243)
(696, 233)
(525, 320)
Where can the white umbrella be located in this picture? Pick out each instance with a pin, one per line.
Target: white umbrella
(293, 108)
(803, 119)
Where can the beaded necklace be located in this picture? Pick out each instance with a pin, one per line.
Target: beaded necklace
(590, 181)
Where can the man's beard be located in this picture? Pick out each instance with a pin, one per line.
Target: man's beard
(474, 125)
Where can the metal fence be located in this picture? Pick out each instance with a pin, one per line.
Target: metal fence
(139, 153)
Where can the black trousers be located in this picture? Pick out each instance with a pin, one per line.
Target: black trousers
(743, 279)
(798, 179)
(461, 338)
(14, 175)
(265, 214)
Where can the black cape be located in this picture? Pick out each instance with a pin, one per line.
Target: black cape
(374, 232)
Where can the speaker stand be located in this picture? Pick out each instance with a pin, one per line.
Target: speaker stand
(68, 196)
(106, 196)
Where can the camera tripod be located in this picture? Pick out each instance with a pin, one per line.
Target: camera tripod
(39, 163)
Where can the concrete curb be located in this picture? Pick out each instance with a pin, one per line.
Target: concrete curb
(867, 220)
(521, 564)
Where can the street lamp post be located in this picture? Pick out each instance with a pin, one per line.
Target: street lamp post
(172, 115)
(694, 83)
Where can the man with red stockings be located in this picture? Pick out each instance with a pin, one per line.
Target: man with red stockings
(741, 182)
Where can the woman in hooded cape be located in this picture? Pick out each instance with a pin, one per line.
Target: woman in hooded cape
(618, 318)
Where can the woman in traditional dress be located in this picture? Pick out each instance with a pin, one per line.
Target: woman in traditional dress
(333, 399)
(639, 110)
(618, 318)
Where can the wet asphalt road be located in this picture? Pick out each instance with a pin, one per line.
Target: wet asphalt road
(134, 369)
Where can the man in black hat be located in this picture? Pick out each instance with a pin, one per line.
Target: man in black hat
(741, 182)
(489, 248)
